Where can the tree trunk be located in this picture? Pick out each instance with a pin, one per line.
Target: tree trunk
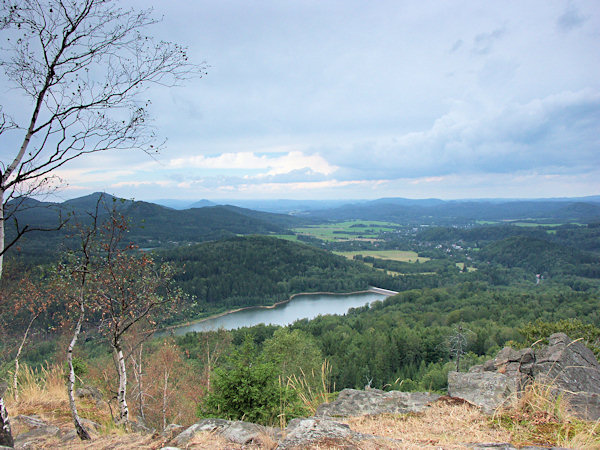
(81, 432)
(138, 373)
(16, 374)
(165, 399)
(6, 438)
(121, 396)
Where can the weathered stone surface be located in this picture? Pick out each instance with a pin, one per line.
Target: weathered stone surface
(314, 431)
(569, 367)
(172, 430)
(234, 431)
(352, 402)
(567, 364)
(31, 421)
(88, 392)
(487, 390)
(24, 439)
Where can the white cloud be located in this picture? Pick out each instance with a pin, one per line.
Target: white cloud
(268, 163)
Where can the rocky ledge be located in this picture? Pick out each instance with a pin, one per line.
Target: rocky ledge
(564, 366)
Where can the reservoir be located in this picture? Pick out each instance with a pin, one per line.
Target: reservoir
(304, 306)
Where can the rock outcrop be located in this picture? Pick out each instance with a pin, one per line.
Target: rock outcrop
(567, 366)
(235, 431)
(352, 402)
(302, 433)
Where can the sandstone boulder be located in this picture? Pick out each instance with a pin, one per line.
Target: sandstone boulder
(569, 367)
(352, 402)
(488, 390)
(235, 431)
(321, 432)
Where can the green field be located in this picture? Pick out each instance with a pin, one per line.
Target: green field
(395, 255)
(348, 230)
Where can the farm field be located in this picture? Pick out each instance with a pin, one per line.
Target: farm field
(395, 255)
(348, 230)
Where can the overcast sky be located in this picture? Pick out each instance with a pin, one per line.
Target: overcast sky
(367, 99)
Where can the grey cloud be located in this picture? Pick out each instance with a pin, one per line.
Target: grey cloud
(483, 42)
(458, 44)
(570, 19)
(557, 131)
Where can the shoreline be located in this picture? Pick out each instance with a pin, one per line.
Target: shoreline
(375, 290)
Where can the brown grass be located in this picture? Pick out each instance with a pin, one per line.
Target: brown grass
(541, 416)
(443, 425)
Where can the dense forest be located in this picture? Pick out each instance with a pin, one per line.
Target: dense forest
(487, 284)
(259, 270)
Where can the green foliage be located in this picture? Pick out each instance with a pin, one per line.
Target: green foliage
(294, 353)
(574, 328)
(80, 366)
(248, 388)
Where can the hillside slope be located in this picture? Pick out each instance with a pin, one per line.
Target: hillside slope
(259, 270)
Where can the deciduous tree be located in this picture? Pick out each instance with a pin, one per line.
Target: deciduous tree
(80, 66)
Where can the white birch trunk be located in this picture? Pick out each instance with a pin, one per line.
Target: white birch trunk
(1, 231)
(165, 399)
(81, 432)
(16, 374)
(6, 438)
(122, 394)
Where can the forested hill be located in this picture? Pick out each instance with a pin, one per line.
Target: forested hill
(259, 270)
(541, 256)
(151, 225)
(455, 212)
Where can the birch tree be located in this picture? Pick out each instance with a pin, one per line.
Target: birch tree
(80, 67)
(127, 288)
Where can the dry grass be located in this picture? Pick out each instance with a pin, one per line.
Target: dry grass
(541, 416)
(42, 389)
(445, 425)
(313, 389)
(537, 417)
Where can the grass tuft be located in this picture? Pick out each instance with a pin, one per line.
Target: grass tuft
(541, 416)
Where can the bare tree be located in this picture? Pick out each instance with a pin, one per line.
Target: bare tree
(80, 65)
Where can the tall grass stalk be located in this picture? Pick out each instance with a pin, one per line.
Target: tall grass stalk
(314, 389)
(541, 415)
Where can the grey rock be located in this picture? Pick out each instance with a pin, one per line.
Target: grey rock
(352, 402)
(88, 392)
(567, 364)
(24, 439)
(234, 431)
(302, 433)
(172, 430)
(90, 424)
(69, 436)
(31, 421)
(488, 390)
(569, 367)
(170, 448)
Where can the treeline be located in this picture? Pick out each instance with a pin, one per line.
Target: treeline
(581, 237)
(404, 341)
(541, 256)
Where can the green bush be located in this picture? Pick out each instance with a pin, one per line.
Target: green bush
(248, 388)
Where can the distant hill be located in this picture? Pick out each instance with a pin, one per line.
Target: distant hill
(202, 204)
(151, 225)
(541, 256)
(456, 212)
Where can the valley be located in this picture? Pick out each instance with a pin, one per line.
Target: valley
(488, 279)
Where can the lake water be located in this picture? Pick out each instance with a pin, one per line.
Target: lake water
(306, 306)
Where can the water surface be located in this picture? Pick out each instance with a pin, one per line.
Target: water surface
(305, 306)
